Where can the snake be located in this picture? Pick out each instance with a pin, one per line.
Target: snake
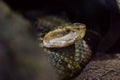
(69, 59)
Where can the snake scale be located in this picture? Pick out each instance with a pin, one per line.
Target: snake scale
(70, 60)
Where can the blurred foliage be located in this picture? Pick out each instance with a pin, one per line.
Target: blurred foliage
(20, 56)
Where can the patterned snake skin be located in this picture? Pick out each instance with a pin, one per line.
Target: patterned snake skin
(68, 61)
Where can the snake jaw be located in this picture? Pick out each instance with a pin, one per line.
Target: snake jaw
(65, 36)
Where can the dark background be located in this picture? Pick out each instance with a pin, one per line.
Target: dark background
(98, 15)
(94, 13)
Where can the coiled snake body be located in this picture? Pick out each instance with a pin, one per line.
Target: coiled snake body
(70, 60)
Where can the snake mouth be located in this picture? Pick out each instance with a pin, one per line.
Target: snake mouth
(65, 36)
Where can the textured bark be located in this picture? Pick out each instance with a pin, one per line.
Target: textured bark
(102, 67)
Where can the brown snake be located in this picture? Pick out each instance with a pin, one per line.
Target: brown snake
(69, 60)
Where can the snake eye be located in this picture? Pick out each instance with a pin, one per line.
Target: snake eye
(64, 36)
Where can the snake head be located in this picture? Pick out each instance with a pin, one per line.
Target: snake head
(64, 36)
